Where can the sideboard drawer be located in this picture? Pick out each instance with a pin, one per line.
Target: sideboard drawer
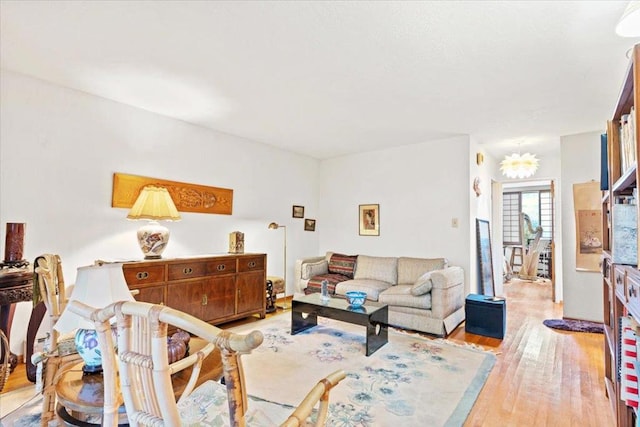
(250, 263)
(187, 270)
(139, 275)
(619, 281)
(221, 266)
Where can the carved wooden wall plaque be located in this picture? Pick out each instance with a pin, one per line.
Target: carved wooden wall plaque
(187, 197)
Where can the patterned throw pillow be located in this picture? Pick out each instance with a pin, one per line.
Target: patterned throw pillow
(343, 264)
(422, 285)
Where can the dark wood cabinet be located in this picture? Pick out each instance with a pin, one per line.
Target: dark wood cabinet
(250, 287)
(221, 298)
(216, 288)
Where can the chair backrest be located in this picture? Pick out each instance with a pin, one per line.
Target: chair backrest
(145, 374)
(50, 288)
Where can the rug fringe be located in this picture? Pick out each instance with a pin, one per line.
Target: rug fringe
(469, 345)
(460, 344)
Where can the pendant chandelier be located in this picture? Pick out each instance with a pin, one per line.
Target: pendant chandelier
(519, 165)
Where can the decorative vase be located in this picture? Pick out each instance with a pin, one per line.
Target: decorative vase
(14, 243)
(176, 349)
(184, 337)
(86, 341)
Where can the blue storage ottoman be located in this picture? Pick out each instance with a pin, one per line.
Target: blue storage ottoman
(485, 315)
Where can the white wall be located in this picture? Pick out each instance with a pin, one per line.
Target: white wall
(582, 290)
(419, 188)
(59, 149)
(481, 208)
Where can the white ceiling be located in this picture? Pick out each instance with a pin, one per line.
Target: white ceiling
(327, 78)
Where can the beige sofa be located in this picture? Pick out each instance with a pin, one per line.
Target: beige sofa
(423, 294)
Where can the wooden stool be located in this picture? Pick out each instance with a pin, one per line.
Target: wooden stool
(516, 252)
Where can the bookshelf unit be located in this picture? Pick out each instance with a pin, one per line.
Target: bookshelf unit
(620, 274)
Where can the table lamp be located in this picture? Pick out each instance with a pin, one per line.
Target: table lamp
(154, 204)
(97, 286)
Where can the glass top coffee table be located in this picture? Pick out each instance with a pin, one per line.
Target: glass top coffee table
(306, 309)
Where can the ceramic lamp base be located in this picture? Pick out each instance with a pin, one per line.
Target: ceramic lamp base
(91, 370)
(153, 239)
(86, 341)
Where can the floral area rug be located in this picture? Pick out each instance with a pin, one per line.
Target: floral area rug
(575, 325)
(410, 381)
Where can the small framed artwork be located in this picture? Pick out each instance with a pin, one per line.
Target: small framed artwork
(369, 222)
(310, 225)
(298, 211)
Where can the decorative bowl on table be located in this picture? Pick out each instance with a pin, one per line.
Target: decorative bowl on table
(356, 298)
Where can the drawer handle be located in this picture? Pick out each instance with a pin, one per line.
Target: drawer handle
(141, 275)
(633, 292)
(205, 300)
(252, 264)
(221, 267)
(187, 270)
(619, 279)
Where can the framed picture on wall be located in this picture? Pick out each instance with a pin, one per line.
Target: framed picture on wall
(310, 224)
(298, 211)
(369, 220)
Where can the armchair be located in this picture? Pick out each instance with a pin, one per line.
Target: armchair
(50, 288)
(145, 374)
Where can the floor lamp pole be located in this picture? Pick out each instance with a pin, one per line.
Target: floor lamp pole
(285, 260)
(275, 226)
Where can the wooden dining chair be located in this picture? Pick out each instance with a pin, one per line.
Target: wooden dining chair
(145, 374)
(57, 355)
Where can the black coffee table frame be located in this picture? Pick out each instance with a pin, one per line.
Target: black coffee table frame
(373, 315)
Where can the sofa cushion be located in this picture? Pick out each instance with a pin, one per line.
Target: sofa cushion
(343, 264)
(410, 269)
(315, 283)
(310, 269)
(400, 295)
(377, 268)
(370, 286)
(422, 285)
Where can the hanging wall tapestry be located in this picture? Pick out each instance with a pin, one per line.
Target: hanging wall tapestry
(187, 197)
(587, 205)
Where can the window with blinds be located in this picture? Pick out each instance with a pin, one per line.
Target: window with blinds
(511, 206)
(537, 204)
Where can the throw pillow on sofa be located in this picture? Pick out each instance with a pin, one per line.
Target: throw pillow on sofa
(423, 285)
(384, 269)
(343, 264)
(410, 269)
(314, 269)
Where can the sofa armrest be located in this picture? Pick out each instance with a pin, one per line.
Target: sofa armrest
(447, 294)
(301, 271)
(311, 269)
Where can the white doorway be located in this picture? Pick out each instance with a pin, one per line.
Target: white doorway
(528, 231)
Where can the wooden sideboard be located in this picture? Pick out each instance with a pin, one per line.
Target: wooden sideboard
(214, 288)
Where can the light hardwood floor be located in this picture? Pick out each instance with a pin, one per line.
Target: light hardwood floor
(542, 377)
